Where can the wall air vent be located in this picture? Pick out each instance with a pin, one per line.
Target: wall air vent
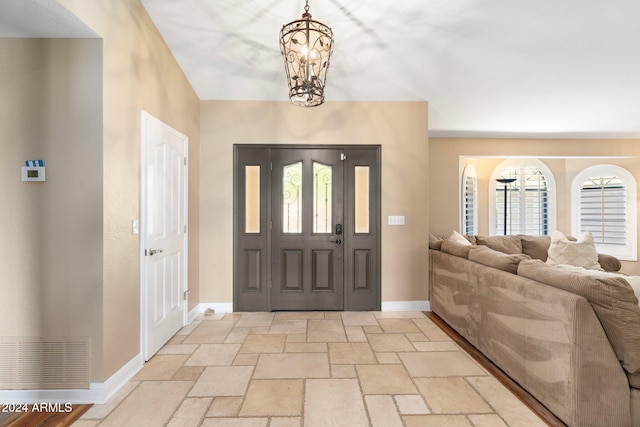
(39, 363)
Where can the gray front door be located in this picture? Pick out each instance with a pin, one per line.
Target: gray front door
(307, 228)
(307, 254)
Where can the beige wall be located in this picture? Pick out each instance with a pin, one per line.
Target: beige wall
(51, 232)
(399, 127)
(139, 73)
(565, 158)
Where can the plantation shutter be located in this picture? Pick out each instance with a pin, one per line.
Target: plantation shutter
(602, 209)
(470, 205)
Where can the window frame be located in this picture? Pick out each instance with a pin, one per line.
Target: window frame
(522, 164)
(468, 172)
(629, 251)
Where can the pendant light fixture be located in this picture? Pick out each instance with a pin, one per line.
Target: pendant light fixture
(306, 47)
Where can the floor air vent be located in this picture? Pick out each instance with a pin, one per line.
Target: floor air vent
(33, 363)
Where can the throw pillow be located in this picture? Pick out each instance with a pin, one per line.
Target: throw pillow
(459, 238)
(581, 253)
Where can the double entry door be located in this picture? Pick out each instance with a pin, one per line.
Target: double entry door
(307, 223)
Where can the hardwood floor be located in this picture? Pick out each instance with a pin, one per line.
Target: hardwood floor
(42, 419)
(530, 401)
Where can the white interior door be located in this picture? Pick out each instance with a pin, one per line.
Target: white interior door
(164, 233)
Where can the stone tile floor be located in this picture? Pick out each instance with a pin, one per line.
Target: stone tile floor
(284, 369)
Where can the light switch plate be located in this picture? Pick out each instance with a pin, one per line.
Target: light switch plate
(135, 228)
(396, 219)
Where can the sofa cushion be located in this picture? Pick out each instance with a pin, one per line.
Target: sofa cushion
(435, 241)
(506, 244)
(609, 263)
(535, 246)
(455, 248)
(582, 253)
(612, 299)
(496, 259)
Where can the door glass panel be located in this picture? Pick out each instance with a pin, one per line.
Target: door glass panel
(252, 199)
(322, 198)
(362, 199)
(292, 198)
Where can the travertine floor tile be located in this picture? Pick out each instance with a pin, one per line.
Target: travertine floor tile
(249, 320)
(305, 347)
(436, 346)
(398, 326)
(235, 422)
(436, 421)
(351, 353)
(385, 379)
(451, 395)
(299, 315)
(189, 328)
(225, 406)
(398, 315)
(416, 337)
(440, 364)
(390, 343)
(85, 423)
(297, 337)
(210, 332)
(286, 422)
(325, 331)
(355, 334)
(213, 354)
(222, 381)
(382, 411)
(433, 332)
(190, 412)
(506, 404)
(343, 371)
(334, 402)
(152, 403)
(387, 358)
(411, 404)
(358, 318)
(372, 329)
(178, 349)
(288, 327)
(247, 359)
(278, 398)
(486, 420)
(264, 344)
(161, 367)
(188, 373)
(237, 336)
(292, 366)
(101, 411)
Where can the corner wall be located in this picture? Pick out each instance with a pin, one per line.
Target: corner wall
(400, 127)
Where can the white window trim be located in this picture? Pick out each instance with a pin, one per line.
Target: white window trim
(629, 252)
(469, 171)
(520, 162)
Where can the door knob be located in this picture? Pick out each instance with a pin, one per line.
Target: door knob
(154, 251)
(338, 241)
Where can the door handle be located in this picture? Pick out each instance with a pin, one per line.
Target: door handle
(154, 251)
(338, 241)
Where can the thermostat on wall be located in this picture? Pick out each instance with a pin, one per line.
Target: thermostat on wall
(33, 171)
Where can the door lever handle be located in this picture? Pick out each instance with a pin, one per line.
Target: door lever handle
(154, 251)
(338, 241)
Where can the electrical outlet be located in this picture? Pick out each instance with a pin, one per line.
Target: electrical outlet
(396, 219)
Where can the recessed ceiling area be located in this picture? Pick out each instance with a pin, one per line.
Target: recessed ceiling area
(499, 68)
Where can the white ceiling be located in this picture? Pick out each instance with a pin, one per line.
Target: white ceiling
(496, 68)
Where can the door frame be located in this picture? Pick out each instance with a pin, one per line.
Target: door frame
(267, 176)
(142, 228)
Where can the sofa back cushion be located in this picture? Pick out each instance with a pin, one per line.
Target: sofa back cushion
(496, 259)
(506, 244)
(535, 246)
(612, 300)
(455, 248)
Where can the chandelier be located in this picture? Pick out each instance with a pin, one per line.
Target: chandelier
(306, 47)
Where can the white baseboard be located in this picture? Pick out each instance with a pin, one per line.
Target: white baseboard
(218, 307)
(97, 393)
(227, 307)
(406, 306)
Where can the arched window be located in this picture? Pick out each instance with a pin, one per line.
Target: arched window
(526, 204)
(603, 201)
(469, 201)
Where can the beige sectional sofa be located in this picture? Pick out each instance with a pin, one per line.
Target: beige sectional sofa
(572, 340)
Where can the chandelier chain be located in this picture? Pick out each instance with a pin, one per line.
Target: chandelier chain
(306, 6)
